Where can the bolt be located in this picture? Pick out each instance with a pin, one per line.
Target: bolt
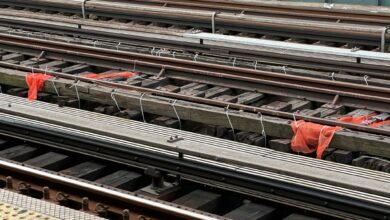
(62, 198)
(141, 217)
(177, 181)
(126, 214)
(9, 182)
(85, 204)
(46, 193)
(101, 210)
(24, 188)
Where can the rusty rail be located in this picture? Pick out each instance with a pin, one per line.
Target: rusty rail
(264, 18)
(356, 63)
(337, 90)
(336, 12)
(113, 196)
(346, 13)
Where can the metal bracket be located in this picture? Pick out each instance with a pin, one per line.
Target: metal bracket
(162, 71)
(336, 99)
(383, 39)
(334, 104)
(173, 139)
(328, 5)
(354, 49)
(158, 185)
(41, 55)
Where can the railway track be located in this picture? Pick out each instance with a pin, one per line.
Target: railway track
(252, 138)
(62, 178)
(337, 12)
(125, 185)
(201, 92)
(199, 103)
(375, 98)
(234, 46)
(374, 78)
(312, 11)
(368, 35)
(107, 155)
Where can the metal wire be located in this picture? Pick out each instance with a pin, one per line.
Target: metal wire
(142, 109)
(114, 99)
(332, 76)
(366, 79)
(83, 8)
(177, 115)
(284, 70)
(263, 129)
(77, 92)
(213, 22)
(54, 86)
(135, 65)
(230, 122)
(295, 120)
(196, 56)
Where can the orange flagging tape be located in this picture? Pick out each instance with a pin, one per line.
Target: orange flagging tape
(109, 75)
(35, 82)
(310, 137)
(364, 120)
(381, 123)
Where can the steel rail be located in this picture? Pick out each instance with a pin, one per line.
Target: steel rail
(341, 12)
(105, 192)
(339, 90)
(205, 69)
(306, 62)
(230, 18)
(328, 31)
(196, 167)
(202, 139)
(344, 13)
